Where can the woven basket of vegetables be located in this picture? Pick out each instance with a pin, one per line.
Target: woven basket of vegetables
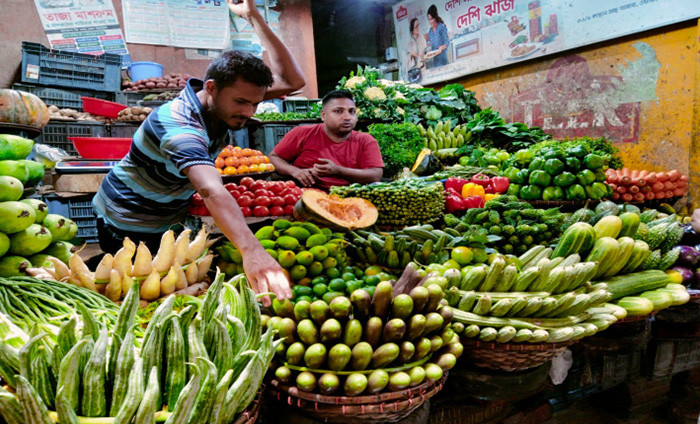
(511, 356)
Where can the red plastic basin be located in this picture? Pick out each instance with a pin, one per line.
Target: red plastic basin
(102, 107)
(101, 147)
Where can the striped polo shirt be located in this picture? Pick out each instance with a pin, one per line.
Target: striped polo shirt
(147, 191)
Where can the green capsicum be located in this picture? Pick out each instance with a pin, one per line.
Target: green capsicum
(577, 151)
(551, 153)
(600, 175)
(553, 193)
(564, 179)
(553, 166)
(596, 191)
(593, 161)
(523, 176)
(585, 177)
(537, 163)
(575, 192)
(540, 177)
(512, 174)
(513, 189)
(524, 156)
(573, 164)
(530, 192)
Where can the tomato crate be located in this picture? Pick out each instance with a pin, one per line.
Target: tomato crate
(80, 210)
(56, 133)
(44, 66)
(70, 99)
(266, 136)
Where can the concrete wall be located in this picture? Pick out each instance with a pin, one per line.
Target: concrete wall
(21, 23)
(642, 92)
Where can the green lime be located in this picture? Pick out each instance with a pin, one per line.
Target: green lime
(359, 273)
(347, 269)
(316, 268)
(480, 255)
(373, 270)
(319, 280)
(316, 240)
(286, 258)
(320, 289)
(306, 298)
(331, 295)
(281, 224)
(297, 272)
(302, 291)
(332, 272)
(463, 255)
(372, 280)
(329, 262)
(370, 290)
(337, 284)
(347, 276)
(272, 253)
(352, 286)
(320, 252)
(326, 231)
(304, 258)
(452, 264)
(383, 276)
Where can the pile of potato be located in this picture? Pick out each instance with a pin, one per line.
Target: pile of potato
(174, 81)
(134, 114)
(161, 97)
(67, 114)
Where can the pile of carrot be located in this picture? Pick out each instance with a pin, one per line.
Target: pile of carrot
(639, 186)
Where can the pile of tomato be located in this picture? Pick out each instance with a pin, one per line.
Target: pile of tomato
(256, 198)
(239, 161)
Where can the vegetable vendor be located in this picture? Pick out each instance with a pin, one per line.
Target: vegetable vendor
(172, 155)
(331, 153)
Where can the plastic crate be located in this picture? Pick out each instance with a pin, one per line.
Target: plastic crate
(80, 210)
(123, 130)
(61, 98)
(41, 65)
(267, 136)
(129, 98)
(669, 356)
(87, 230)
(299, 106)
(55, 133)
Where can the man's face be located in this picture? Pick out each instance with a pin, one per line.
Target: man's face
(236, 103)
(339, 116)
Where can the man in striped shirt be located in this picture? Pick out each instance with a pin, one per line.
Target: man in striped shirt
(172, 155)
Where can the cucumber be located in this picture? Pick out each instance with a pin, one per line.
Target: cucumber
(604, 253)
(630, 284)
(626, 248)
(609, 226)
(630, 224)
(636, 306)
(571, 240)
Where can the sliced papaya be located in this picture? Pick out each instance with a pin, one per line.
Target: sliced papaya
(332, 211)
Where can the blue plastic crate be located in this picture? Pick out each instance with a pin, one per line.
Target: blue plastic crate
(41, 65)
(70, 99)
(56, 133)
(267, 136)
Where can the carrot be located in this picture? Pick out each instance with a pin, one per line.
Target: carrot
(650, 196)
(625, 172)
(673, 175)
(613, 186)
(651, 178)
(661, 176)
(643, 173)
(627, 197)
(658, 186)
(639, 197)
(645, 189)
(639, 182)
(621, 189)
(679, 191)
(615, 196)
(626, 180)
(612, 177)
(684, 178)
(633, 189)
(634, 175)
(669, 185)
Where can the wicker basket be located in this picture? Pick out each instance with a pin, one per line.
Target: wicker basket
(510, 356)
(250, 415)
(381, 408)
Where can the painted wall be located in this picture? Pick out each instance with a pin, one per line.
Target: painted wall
(642, 92)
(25, 25)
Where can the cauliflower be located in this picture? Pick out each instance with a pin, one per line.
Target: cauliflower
(375, 93)
(400, 111)
(387, 83)
(399, 96)
(352, 82)
(416, 86)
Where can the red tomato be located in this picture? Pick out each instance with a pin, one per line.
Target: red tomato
(298, 191)
(261, 211)
(236, 195)
(246, 181)
(276, 187)
(286, 191)
(276, 211)
(244, 201)
(289, 210)
(230, 186)
(262, 201)
(290, 183)
(262, 192)
(277, 201)
(257, 185)
(246, 211)
(290, 199)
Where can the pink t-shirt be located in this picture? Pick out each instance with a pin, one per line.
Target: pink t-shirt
(305, 144)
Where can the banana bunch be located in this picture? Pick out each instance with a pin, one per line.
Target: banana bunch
(178, 264)
(443, 136)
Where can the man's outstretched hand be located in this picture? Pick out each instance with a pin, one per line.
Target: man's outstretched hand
(265, 275)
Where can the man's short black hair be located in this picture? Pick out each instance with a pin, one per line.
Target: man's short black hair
(337, 94)
(234, 64)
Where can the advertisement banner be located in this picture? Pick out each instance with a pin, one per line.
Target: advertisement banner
(82, 26)
(440, 40)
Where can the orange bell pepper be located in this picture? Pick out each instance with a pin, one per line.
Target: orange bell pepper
(471, 189)
(488, 197)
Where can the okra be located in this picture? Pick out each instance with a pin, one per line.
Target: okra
(34, 409)
(125, 362)
(10, 409)
(64, 410)
(175, 367)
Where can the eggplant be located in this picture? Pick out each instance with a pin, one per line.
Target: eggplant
(687, 274)
(689, 256)
(696, 283)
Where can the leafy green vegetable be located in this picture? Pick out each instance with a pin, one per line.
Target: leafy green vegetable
(286, 116)
(488, 129)
(400, 144)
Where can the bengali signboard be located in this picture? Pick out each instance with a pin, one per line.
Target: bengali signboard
(440, 40)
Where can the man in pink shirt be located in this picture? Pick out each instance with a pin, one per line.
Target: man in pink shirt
(331, 153)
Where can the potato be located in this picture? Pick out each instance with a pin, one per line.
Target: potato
(150, 84)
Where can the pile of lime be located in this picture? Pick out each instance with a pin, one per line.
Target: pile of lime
(337, 282)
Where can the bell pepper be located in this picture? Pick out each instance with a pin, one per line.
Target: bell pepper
(564, 179)
(551, 153)
(490, 196)
(577, 151)
(537, 163)
(492, 159)
(540, 177)
(474, 202)
(471, 189)
(511, 173)
(553, 166)
(481, 179)
(500, 184)
(455, 203)
(600, 175)
(524, 156)
(573, 164)
(455, 183)
(593, 161)
(503, 156)
(596, 191)
(530, 192)
(513, 189)
(585, 177)
(523, 176)
(575, 192)
(552, 193)
(465, 161)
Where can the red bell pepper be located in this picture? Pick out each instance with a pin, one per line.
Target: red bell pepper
(474, 202)
(454, 203)
(500, 184)
(481, 179)
(455, 183)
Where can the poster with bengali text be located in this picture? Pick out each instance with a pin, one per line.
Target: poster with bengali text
(82, 26)
(440, 40)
